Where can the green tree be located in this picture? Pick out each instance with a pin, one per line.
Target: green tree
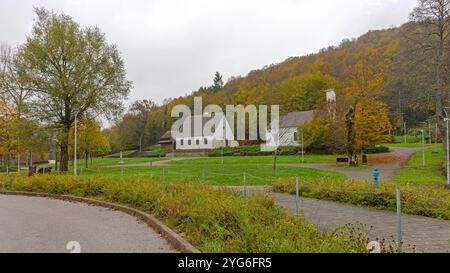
(73, 71)
(218, 82)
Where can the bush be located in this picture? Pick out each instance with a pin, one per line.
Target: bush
(378, 150)
(214, 220)
(156, 152)
(431, 200)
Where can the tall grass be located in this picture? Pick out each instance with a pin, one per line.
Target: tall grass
(214, 220)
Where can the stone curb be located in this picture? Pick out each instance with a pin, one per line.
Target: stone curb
(172, 237)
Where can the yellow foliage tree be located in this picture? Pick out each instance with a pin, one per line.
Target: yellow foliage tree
(90, 140)
(372, 123)
(368, 114)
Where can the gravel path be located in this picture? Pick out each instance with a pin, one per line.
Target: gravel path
(33, 224)
(428, 235)
(365, 173)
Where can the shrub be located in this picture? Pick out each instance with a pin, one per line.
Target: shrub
(214, 220)
(431, 200)
(378, 150)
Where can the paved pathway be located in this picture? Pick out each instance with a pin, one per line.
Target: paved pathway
(398, 157)
(427, 234)
(33, 224)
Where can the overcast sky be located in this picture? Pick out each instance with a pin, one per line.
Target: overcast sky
(172, 47)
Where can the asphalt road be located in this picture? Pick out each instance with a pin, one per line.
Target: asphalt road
(41, 225)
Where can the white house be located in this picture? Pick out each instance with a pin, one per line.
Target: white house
(215, 133)
(289, 124)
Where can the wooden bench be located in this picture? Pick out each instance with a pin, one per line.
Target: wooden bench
(44, 170)
(342, 160)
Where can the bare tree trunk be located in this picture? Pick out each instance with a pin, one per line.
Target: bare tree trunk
(351, 138)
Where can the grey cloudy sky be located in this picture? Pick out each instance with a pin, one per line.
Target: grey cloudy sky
(172, 47)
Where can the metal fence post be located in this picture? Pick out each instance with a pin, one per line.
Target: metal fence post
(245, 184)
(399, 222)
(297, 207)
(164, 174)
(203, 175)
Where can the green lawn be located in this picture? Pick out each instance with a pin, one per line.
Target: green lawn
(215, 174)
(415, 172)
(238, 160)
(108, 161)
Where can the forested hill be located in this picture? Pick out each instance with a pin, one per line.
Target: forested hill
(298, 82)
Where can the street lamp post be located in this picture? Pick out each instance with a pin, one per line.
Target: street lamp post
(303, 149)
(448, 152)
(447, 119)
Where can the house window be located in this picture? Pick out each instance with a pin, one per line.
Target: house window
(189, 142)
(182, 142)
(206, 141)
(198, 142)
(295, 136)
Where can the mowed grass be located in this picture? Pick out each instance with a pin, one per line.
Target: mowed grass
(257, 170)
(238, 160)
(214, 174)
(432, 173)
(108, 161)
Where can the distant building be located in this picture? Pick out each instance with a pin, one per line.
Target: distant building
(198, 142)
(289, 127)
(289, 124)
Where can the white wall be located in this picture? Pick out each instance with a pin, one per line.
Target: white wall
(287, 137)
(183, 143)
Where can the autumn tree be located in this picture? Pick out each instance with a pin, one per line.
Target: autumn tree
(15, 89)
(141, 112)
(367, 119)
(372, 123)
(433, 37)
(73, 71)
(327, 131)
(90, 139)
(305, 92)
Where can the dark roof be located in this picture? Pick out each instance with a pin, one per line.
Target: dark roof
(167, 137)
(296, 119)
